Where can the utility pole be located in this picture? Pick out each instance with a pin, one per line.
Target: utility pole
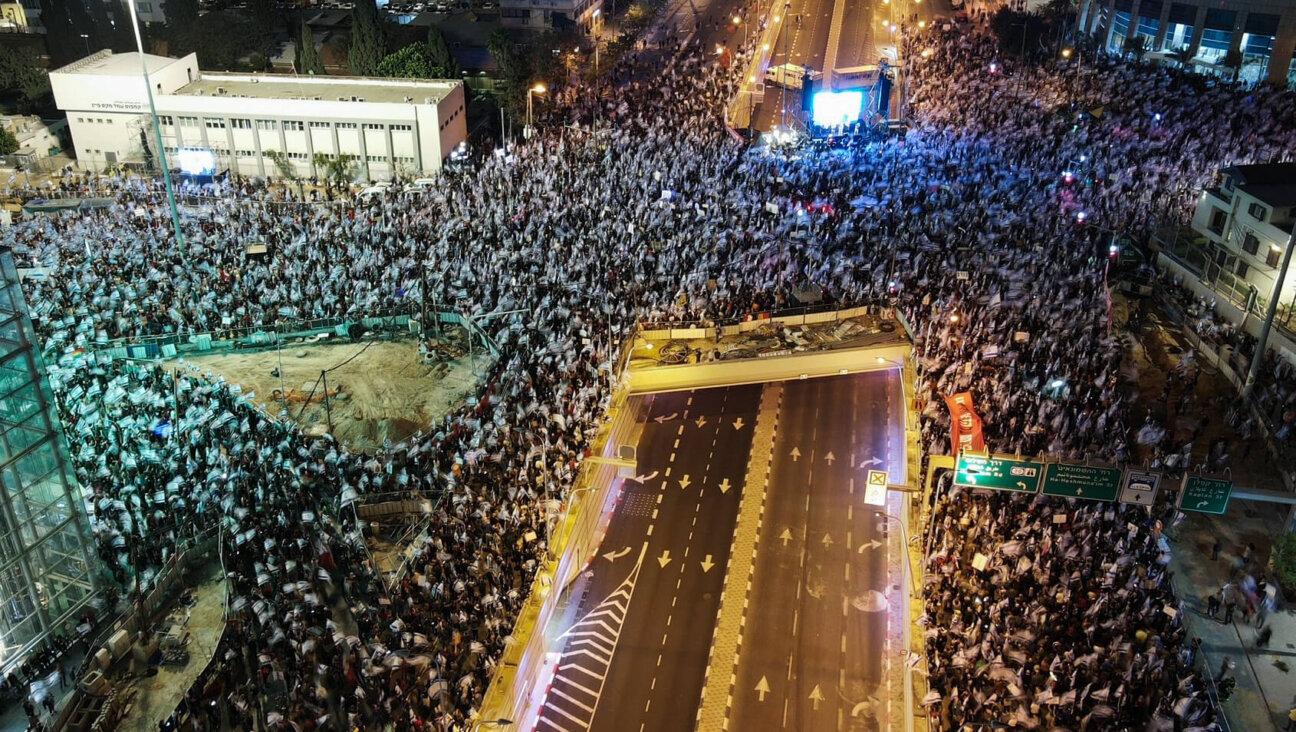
(157, 129)
(1258, 357)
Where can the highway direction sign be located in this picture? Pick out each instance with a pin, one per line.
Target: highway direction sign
(981, 471)
(1082, 481)
(1205, 495)
(1140, 487)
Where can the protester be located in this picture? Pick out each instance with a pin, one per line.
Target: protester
(987, 226)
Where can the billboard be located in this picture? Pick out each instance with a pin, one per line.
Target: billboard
(837, 108)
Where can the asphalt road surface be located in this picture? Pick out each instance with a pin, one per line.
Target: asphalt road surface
(637, 652)
(812, 651)
(803, 42)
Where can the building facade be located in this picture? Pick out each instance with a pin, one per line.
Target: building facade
(568, 15)
(45, 577)
(149, 11)
(1263, 32)
(387, 126)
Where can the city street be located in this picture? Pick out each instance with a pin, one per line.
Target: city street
(812, 655)
(635, 658)
(801, 43)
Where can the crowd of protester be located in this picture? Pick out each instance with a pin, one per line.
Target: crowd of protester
(988, 225)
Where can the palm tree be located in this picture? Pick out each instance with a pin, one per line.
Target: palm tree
(1183, 56)
(1232, 61)
(1136, 46)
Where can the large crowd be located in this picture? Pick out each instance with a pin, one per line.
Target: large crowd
(639, 204)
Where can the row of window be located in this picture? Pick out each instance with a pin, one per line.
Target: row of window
(95, 120)
(408, 159)
(289, 125)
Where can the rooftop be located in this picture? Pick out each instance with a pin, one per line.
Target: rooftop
(328, 88)
(107, 63)
(1270, 183)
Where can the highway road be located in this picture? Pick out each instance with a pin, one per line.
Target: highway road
(812, 651)
(636, 652)
(803, 43)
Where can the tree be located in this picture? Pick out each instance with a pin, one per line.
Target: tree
(1232, 61)
(1136, 46)
(337, 170)
(309, 60)
(440, 54)
(1183, 56)
(411, 62)
(21, 71)
(287, 170)
(8, 141)
(181, 14)
(368, 39)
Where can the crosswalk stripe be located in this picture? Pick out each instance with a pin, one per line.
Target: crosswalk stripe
(569, 698)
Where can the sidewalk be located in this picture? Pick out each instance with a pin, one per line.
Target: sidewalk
(1265, 688)
(1266, 684)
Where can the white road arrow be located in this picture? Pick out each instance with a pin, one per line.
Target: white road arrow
(874, 544)
(725, 486)
(707, 564)
(786, 536)
(666, 418)
(738, 423)
(700, 421)
(613, 556)
(646, 478)
(684, 482)
(762, 688)
(796, 454)
(664, 559)
(816, 696)
(870, 461)
(829, 457)
(827, 541)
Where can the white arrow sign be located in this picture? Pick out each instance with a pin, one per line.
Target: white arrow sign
(796, 454)
(684, 482)
(816, 696)
(874, 544)
(829, 457)
(664, 559)
(786, 536)
(700, 421)
(724, 486)
(665, 418)
(762, 688)
(827, 541)
(646, 478)
(871, 461)
(707, 564)
(738, 423)
(613, 556)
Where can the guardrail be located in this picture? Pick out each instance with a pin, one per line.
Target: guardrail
(253, 337)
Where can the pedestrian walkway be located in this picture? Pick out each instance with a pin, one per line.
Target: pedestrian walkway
(1266, 677)
(1265, 685)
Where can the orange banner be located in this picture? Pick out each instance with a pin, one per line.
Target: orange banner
(965, 424)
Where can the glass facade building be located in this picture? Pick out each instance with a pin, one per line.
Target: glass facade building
(45, 575)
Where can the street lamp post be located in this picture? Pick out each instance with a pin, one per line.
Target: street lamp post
(787, 59)
(86, 37)
(537, 89)
(737, 20)
(157, 129)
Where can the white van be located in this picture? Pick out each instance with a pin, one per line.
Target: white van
(790, 76)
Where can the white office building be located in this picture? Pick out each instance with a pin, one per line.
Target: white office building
(562, 15)
(388, 125)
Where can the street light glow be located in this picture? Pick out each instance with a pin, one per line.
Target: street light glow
(737, 20)
(539, 89)
(1066, 53)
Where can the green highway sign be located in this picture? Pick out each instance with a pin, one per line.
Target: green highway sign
(1205, 495)
(1003, 474)
(1082, 481)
